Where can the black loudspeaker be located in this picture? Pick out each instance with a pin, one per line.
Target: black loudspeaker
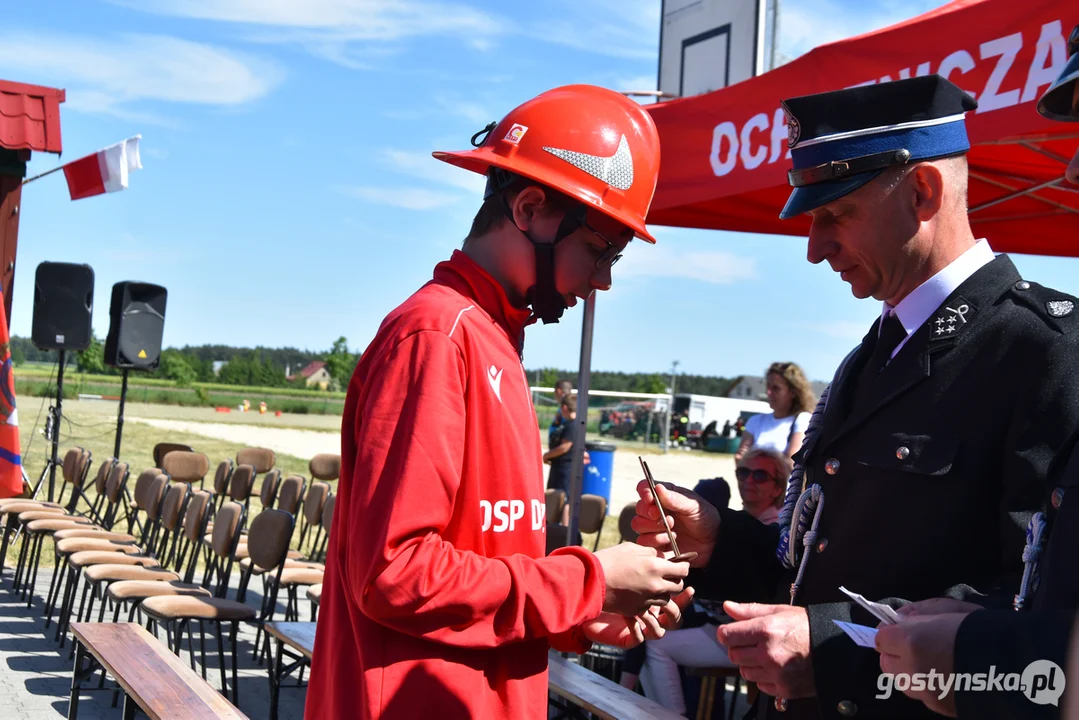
(63, 306)
(137, 320)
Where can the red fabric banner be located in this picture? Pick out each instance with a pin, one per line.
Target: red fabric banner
(11, 483)
(725, 156)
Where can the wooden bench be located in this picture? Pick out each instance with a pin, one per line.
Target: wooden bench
(598, 695)
(151, 676)
(299, 639)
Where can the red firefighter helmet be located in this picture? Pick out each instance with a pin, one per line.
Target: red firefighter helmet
(590, 143)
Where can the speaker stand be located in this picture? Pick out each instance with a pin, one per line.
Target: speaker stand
(120, 417)
(56, 422)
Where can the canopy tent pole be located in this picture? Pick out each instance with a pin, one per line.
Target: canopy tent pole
(1019, 193)
(584, 380)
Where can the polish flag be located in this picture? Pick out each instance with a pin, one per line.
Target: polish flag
(103, 172)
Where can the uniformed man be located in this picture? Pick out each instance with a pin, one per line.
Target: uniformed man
(947, 635)
(928, 454)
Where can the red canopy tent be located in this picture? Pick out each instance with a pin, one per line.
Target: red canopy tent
(725, 156)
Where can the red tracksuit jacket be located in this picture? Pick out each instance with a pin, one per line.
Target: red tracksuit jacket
(438, 601)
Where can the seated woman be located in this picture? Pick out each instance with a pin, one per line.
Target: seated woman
(762, 480)
(792, 402)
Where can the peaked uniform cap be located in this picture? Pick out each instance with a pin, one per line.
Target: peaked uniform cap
(841, 140)
(593, 144)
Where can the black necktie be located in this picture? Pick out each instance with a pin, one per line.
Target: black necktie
(891, 334)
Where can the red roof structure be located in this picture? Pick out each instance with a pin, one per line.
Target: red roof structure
(725, 153)
(310, 370)
(30, 117)
(29, 121)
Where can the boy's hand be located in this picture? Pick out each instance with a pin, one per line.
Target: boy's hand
(630, 631)
(638, 577)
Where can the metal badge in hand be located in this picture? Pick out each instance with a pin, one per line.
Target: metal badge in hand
(678, 556)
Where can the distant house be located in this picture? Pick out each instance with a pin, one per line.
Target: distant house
(314, 374)
(752, 387)
(748, 387)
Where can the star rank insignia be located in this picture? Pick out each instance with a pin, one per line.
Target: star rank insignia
(1059, 308)
(950, 319)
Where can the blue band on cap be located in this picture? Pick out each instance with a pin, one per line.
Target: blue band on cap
(924, 142)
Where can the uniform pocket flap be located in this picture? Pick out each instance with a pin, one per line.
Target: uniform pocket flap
(921, 454)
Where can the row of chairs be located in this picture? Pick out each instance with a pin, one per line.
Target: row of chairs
(150, 568)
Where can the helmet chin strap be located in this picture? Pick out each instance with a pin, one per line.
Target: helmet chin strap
(547, 303)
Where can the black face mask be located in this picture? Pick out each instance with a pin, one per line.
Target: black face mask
(547, 303)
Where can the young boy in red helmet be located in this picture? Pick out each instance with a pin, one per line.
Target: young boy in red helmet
(437, 599)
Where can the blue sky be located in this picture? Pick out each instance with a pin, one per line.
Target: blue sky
(288, 196)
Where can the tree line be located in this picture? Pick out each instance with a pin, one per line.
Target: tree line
(262, 366)
(259, 366)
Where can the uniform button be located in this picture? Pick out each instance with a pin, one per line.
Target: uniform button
(1057, 498)
(822, 545)
(902, 452)
(847, 708)
(1022, 285)
(831, 467)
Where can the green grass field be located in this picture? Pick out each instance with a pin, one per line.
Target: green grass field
(92, 425)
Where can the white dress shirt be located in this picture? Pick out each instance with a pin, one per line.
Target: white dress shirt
(923, 301)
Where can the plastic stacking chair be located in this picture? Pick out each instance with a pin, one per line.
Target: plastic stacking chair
(269, 541)
(593, 512)
(163, 449)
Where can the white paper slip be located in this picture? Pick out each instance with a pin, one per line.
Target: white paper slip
(861, 635)
(881, 612)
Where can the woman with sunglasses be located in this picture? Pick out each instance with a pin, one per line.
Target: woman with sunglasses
(792, 401)
(762, 477)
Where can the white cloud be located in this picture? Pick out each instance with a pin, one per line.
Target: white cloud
(420, 164)
(344, 31)
(715, 267)
(409, 198)
(352, 33)
(615, 28)
(809, 23)
(117, 75)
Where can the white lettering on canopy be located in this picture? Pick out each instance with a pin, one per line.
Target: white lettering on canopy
(747, 146)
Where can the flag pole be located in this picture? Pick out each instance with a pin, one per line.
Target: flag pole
(41, 175)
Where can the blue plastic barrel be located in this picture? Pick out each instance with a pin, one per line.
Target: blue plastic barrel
(599, 472)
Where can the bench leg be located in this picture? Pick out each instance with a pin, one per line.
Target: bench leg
(76, 681)
(130, 706)
(275, 680)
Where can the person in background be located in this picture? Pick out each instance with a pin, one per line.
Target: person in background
(562, 388)
(560, 458)
(762, 477)
(792, 402)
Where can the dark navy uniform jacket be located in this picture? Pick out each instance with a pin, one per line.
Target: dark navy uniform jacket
(929, 483)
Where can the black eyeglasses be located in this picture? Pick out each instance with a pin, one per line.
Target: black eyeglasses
(610, 255)
(758, 475)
